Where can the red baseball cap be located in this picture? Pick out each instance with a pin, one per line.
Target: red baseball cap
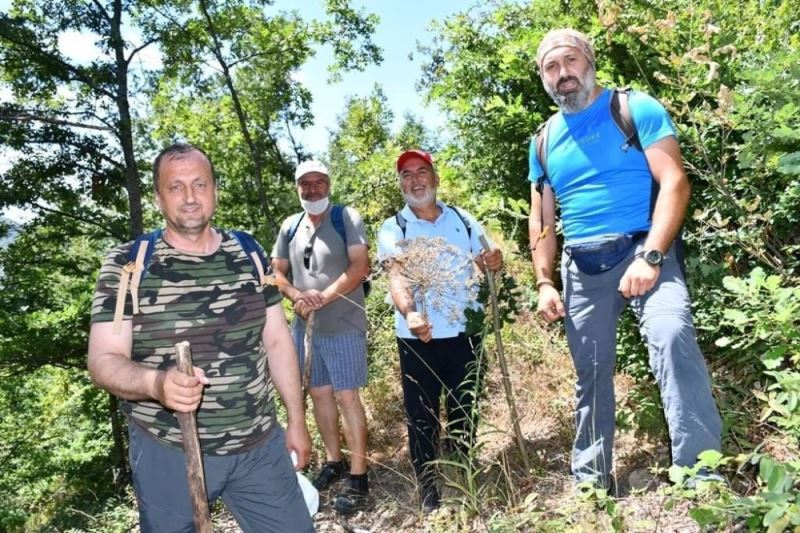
(408, 154)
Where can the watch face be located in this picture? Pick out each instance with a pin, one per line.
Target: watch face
(654, 257)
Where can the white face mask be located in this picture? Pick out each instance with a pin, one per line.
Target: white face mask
(315, 207)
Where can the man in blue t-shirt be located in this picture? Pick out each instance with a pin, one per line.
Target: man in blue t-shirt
(619, 249)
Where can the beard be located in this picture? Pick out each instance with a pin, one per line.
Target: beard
(421, 201)
(577, 99)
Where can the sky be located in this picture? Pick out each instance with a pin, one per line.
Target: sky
(402, 25)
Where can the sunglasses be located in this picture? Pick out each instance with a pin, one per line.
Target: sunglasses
(307, 254)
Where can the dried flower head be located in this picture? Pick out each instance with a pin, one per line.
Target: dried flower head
(440, 276)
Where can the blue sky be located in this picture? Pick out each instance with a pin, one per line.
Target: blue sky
(403, 24)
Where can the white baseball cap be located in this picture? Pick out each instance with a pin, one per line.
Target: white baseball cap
(309, 166)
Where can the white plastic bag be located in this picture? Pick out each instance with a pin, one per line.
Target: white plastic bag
(310, 493)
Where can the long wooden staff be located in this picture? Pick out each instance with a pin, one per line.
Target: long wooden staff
(191, 448)
(308, 350)
(501, 356)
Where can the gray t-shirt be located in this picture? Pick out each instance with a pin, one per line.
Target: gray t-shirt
(327, 261)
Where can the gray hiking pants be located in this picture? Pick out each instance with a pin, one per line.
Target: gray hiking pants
(593, 308)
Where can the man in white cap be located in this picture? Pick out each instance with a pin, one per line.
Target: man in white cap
(320, 260)
(612, 160)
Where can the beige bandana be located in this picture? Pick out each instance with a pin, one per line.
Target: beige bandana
(564, 37)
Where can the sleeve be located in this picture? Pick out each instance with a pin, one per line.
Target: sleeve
(281, 246)
(651, 118)
(535, 170)
(354, 227)
(271, 293)
(104, 300)
(388, 237)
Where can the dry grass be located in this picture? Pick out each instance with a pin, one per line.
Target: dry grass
(512, 499)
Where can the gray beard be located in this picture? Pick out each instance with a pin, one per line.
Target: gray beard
(429, 197)
(575, 101)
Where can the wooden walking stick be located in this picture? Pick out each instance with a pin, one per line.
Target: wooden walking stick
(308, 350)
(191, 449)
(501, 356)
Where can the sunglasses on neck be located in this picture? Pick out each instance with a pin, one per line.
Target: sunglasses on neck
(307, 254)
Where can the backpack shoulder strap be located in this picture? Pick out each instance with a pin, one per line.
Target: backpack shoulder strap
(541, 153)
(621, 114)
(253, 251)
(337, 219)
(132, 274)
(464, 220)
(401, 221)
(298, 217)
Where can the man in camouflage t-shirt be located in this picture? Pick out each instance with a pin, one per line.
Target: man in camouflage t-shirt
(200, 287)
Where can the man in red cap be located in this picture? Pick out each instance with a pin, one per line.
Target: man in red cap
(437, 354)
(623, 197)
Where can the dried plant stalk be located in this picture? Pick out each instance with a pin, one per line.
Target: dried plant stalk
(437, 274)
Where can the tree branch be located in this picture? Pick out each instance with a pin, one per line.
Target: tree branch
(295, 147)
(102, 226)
(102, 10)
(139, 49)
(48, 57)
(24, 116)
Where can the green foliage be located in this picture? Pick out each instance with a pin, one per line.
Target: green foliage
(762, 322)
(54, 456)
(508, 302)
(773, 506)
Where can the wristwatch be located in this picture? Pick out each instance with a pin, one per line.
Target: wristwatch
(653, 257)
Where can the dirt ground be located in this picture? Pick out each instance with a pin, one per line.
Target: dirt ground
(503, 495)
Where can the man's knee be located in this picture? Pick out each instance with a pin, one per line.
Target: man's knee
(321, 394)
(348, 400)
(665, 331)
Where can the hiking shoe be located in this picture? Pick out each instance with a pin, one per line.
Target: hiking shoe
(353, 499)
(704, 478)
(331, 471)
(431, 499)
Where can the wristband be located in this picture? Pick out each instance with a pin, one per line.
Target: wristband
(544, 281)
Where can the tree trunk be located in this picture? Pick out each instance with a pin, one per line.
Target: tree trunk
(258, 167)
(123, 478)
(125, 133)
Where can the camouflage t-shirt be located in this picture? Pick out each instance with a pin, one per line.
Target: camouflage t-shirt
(214, 302)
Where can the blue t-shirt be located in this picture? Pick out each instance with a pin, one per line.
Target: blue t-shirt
(601, 188)
(448, 321)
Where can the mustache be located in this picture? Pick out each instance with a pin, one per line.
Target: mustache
(566, 79)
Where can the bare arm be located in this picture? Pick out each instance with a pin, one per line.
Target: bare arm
(666, 164)
(111, 369)
(280, 267)
(283, 367)
(543, 251)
